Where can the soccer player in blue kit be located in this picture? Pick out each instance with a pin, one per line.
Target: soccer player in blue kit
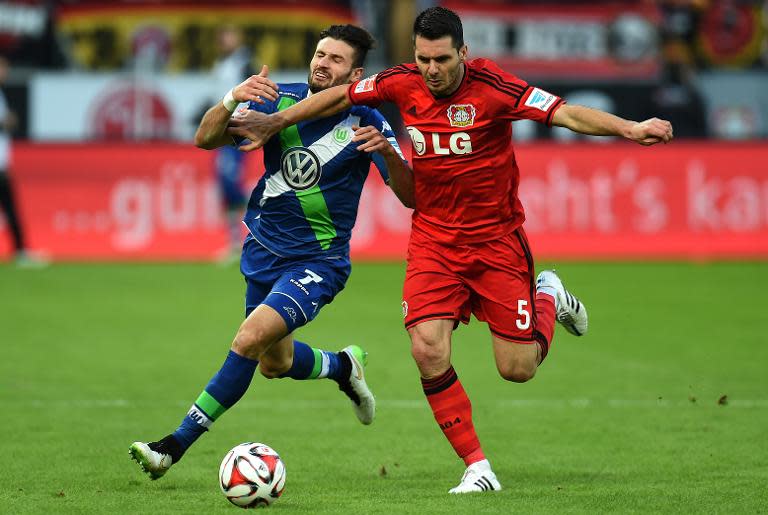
(295, 258)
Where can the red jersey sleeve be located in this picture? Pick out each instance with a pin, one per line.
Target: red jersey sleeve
(537, 104)
(527, 102)
(381, 87)
(367, 92)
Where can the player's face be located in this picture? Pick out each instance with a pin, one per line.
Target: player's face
(332, 65)
(440, 63)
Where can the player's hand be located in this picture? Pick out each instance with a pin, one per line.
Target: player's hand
(652, 131)
(373, 140)
(254, 126)
(256, 88)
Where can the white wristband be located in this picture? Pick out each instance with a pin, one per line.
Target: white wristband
(229, 102)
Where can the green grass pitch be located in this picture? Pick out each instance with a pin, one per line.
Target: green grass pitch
(661, 408)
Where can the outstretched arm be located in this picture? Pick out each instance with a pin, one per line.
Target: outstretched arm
(400, 174)
(319, 105)
(599, 123)
(211, 133)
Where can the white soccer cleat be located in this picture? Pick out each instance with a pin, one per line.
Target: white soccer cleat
(477, 478)
(154, 463)
(356, 389)
(570, 311)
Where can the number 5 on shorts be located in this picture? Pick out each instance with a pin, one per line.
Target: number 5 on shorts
(524, 322)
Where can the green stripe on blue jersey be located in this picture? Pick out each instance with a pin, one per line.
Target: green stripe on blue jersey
(289, 137)
(316, 211)
(311, 200)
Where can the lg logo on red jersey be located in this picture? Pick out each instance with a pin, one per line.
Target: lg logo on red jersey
(442, 144)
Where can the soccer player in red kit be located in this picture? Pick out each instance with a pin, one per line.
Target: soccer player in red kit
(468, 253)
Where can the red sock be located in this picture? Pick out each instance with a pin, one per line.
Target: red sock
(545, 322)
(453, 413)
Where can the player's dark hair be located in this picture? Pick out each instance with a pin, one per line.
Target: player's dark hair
(438, 22)
(356, 37)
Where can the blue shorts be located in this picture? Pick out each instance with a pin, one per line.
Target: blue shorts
(229, 173)
(297, 288)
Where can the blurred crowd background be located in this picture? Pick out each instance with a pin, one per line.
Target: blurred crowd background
(140, 69)
(102, 98)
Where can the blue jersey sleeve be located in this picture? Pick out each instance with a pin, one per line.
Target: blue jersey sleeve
(267, 107)
(377, 120)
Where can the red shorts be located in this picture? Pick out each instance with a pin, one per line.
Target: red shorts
(492, 280)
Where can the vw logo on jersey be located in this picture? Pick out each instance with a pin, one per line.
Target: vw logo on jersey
(418, 140)
(301, 168)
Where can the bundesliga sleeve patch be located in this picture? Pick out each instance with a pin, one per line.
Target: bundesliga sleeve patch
(365, 85)
(540, 99)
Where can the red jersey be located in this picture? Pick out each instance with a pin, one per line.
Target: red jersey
(465, 173)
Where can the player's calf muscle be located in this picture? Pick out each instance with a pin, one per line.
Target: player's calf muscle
(516, 362)
(272, 369)
(517, 372)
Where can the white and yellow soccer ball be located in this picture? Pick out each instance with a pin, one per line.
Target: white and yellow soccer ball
(252, 475)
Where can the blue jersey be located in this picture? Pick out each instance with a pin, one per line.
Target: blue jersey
(306, 202)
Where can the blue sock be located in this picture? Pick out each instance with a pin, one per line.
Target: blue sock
(309, 363)
(222, 392)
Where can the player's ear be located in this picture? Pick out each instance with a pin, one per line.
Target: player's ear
(357, 74)
(463, 51)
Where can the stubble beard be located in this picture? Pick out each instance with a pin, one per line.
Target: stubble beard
(314, 87)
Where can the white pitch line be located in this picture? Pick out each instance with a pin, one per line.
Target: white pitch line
(290, 404)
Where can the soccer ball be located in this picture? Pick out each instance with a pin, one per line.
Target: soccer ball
(252, 475)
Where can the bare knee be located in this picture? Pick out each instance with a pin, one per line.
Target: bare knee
(518, 372)
(431, 354)
(253, 343)
(250, 342)
(425, 354)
